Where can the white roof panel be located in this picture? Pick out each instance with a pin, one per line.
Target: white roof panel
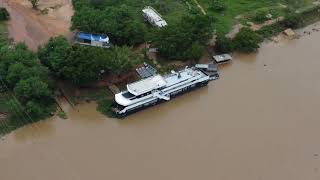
(222, 57)
(154, 16)
(146, 85)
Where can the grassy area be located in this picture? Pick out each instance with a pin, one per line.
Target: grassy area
(173, 10)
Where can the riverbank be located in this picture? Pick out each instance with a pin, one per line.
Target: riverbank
(260, 121)
(15, 5)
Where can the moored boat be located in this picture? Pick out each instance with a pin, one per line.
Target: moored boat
(158, 88)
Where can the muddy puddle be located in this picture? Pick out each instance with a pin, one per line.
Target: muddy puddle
(260, 121)
(32, 27)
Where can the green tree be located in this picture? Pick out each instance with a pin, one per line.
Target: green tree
(4, 15)
(18, 54)
(117, 22)
(54, 53)
(22, 73)
(33, 89)
(84, 64)
(35, 109)
(223, 44)
(196, 51)
(261, 16)
(18, 71)
(247, 41)
(218, 5)
(176, 41)
(293, 20)
(122, 59)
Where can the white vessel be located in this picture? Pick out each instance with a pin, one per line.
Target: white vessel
(155, 89)
(153, 17)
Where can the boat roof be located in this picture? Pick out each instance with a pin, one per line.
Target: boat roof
(222, 57)
(93, 37)
(152, 13)
(146, 85)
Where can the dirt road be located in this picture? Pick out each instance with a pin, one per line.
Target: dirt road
(30, 26)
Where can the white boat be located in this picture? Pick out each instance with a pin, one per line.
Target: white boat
(153, 17)
(155, 89)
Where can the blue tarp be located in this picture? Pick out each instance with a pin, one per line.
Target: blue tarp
(92, 37)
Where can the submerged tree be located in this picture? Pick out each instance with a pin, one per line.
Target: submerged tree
(4, 14)
(34, 3)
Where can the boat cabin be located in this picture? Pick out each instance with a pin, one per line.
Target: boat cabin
(98, 40)
(153, 17)
(146, 85)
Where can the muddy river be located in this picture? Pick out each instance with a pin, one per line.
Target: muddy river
(260, 121)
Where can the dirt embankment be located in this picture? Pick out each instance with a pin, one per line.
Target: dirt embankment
(35, 28)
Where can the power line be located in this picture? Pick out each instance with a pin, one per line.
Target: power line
(33, 125)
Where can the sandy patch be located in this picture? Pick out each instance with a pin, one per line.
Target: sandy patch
(30, 26)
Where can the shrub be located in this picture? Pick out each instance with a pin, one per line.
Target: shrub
(104, 106)
(271, 30)
(218, 5)
(62, 115)
(97, 3)
(4, 15)
(246, 41)
(293, 21)
(261, 16)
(184, 40)
(223, 44)
(196, 51)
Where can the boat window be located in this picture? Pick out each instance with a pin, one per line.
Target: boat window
(127, 95)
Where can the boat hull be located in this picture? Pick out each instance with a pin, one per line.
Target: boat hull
(158, 101)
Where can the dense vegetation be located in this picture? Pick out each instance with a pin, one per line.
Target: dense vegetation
(26, 91)
(185, 39)
(117, 22)
(4, 15)
(26, 82)
(83, 65)
(246, 41)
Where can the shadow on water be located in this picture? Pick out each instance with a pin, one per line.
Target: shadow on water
(165, 109)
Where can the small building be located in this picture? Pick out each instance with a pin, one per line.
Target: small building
(153, 17)
(223, 58)
(90, 39)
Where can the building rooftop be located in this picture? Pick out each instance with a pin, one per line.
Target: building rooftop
(222, 58)
(146, 85)
(93, 37)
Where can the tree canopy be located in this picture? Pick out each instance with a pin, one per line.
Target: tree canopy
(27, 80)
(4, 15)
(247, 40)
(185, 39)
(83, 65)
(116, 22)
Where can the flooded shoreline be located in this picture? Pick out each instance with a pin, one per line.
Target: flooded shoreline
(30, 26)
(259, 121)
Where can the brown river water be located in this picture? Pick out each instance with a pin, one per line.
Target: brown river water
(260, 121)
